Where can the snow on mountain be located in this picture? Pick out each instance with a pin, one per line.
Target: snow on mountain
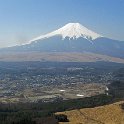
(73, 37)
(71, 31)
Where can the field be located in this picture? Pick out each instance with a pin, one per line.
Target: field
(107, 114)
(57, 57)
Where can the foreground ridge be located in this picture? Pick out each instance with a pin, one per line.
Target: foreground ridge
(107, 114)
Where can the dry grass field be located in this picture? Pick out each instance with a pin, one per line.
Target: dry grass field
(59, 57)
(108, 114)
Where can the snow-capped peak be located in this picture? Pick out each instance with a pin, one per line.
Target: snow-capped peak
(71, 30)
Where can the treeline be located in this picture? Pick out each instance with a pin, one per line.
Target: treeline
(35, 68)
(117, 89)
(29, 113)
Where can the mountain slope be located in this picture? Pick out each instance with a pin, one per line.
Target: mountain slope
(58, 57)
(71, 31)
(73, 37)
(107, 114)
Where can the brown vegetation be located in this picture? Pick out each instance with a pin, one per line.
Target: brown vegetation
(108, 114)
(59, 57)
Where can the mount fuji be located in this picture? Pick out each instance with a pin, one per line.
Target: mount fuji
(73, 37)
(71, 31)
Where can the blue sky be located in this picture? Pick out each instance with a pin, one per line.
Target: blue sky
(22, 20)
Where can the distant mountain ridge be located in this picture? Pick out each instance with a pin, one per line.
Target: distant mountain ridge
(73, 37)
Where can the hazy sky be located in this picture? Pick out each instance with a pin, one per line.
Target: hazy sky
(22, 20)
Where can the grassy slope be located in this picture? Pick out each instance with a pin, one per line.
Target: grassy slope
(108, 114)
